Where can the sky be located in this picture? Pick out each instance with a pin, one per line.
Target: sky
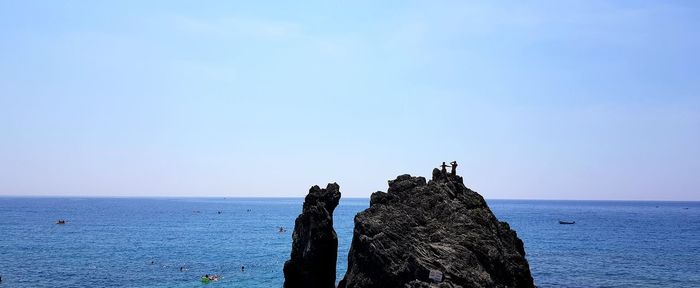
(534, 99)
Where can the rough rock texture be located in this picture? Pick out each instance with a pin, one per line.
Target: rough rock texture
(441, 225)
(315, 244)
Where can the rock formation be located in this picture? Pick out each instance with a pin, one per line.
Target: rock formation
(315, 244)
(437, 232)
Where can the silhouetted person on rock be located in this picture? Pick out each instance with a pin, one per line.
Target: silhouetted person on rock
(454, 168)
(444, 167)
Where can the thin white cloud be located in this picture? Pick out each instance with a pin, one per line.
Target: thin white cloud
(232, 26)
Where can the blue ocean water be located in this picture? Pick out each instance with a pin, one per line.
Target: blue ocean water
(121, 242)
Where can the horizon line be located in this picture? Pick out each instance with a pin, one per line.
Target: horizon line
(301, 197)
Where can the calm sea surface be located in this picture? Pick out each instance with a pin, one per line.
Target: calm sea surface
(110, 242)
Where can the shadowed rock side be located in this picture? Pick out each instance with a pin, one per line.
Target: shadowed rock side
(315, 244)
(441, 227)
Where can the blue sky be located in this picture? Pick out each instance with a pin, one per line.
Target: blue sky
(536, 99)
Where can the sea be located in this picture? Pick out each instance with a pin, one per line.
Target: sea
(172, 242)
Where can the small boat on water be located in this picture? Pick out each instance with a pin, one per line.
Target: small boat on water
(567, 222)
(61, 222)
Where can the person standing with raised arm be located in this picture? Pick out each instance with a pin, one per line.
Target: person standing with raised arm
(444, 167)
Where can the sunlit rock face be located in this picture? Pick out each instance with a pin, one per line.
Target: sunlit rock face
(440, 233)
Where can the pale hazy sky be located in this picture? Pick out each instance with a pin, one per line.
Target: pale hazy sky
(535, 99)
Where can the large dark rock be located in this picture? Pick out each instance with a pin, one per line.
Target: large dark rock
(441, 228)
(315, 244)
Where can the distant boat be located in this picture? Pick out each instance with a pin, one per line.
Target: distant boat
(61, 222)
(567, 222)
